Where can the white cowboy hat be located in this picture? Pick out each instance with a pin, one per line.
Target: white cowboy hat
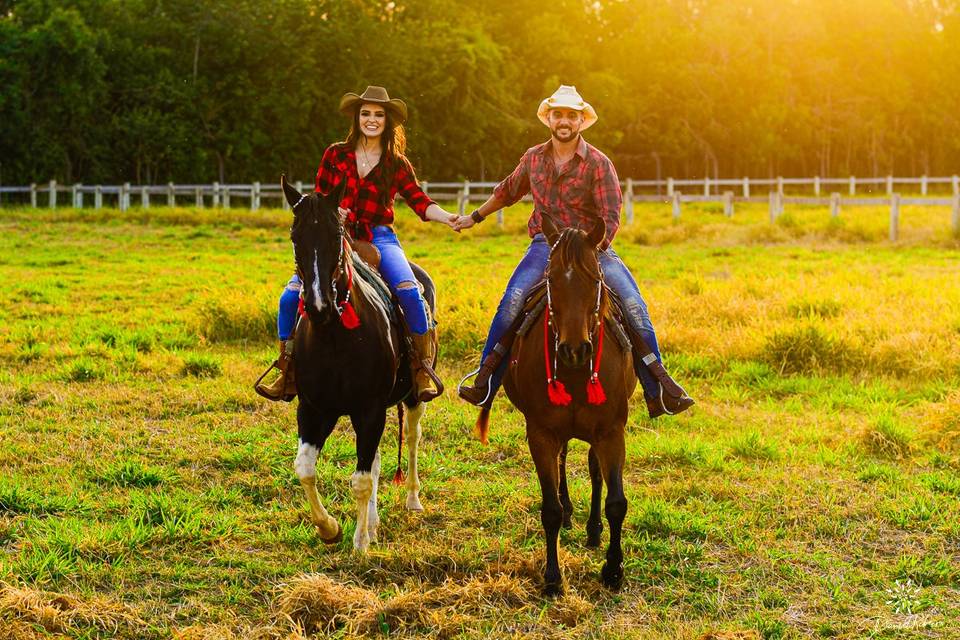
(566, 97)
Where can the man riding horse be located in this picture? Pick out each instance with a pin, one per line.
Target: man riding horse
(574, 185)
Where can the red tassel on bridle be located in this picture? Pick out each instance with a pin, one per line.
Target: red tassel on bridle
(595, 392)
(348, 315)
(556, 391)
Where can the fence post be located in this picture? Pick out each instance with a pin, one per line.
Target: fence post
(122, 196)
(75, 192)
(629, 202)
(461, 202)
(889, 185)
(126, 195)
(728, 203)
(226, 195)
(198, 197)
(816, 186)
(53, 194)
(423, 187)
(669, 187)
(215, 200)
(676, 205)
(956, 214)
(466, 194)
(746, 187)
(780, 185)
(144, 197)
(706, 185)
(171, 197)
(923, 185)
(956, 185)
(97, 197)
(853, 185)
(894, 216)
(33, 195)
(773, 206)
(834, 205)
(255, 200)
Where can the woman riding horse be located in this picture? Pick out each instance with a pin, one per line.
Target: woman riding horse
(372, 168)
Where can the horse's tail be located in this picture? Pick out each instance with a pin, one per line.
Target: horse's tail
(482, 428)
(398, 476)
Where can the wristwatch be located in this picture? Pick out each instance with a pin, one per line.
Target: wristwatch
(476, 217)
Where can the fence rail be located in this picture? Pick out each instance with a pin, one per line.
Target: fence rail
(465, 192)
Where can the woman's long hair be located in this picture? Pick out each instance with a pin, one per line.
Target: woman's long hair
(393, 144)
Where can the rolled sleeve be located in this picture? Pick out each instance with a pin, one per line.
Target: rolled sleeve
(608, 199)
(410, 189)
(516, 185)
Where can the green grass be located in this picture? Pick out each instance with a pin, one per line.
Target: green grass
(812, 492)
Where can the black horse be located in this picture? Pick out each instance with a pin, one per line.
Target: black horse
(345, 368)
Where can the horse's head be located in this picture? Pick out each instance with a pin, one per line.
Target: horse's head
(317, 237)
(575, 282)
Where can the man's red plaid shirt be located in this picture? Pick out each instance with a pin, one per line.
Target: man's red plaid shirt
(585, 191)
(361, 195)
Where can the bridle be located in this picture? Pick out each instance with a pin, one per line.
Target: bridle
(555, 388)
(345, 311)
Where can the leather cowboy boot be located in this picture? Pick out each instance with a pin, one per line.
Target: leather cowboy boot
(672, 399)
(285, 386)
(479, 392)
(423, 357)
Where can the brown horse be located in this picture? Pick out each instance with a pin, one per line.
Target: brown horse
(572, 379)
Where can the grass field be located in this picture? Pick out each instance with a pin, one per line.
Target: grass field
(814, 491)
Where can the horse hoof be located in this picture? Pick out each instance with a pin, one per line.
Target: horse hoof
(612, 578)
(413, 502)
(593, 541)
(553, 589)
(337, 537)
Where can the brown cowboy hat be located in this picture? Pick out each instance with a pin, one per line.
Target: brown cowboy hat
(375, 95)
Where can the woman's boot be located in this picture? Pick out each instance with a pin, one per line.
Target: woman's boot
(423, 357)
(285, 386)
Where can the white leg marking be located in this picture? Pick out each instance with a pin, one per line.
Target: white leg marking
(411, 431)
(306, 463)
(362, 484)
(373, 518)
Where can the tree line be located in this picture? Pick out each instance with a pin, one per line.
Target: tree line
(151, 91)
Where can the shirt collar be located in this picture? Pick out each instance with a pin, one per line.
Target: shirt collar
(546, 148)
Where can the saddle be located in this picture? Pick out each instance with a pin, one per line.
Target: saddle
(536, 302)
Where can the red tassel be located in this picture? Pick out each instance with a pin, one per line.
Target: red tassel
(595, 392)
(301, 310)
(398, 477)
(558, 393)
(348, 317)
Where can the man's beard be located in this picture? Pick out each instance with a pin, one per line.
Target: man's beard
(569, 134)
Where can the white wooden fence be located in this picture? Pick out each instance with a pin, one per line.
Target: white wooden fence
(668, 191)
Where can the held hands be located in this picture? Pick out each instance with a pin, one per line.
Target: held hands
(463, 222)
(343, 214)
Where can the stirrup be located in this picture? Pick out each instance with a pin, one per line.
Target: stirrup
(470, 375)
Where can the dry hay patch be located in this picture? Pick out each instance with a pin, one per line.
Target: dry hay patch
(21, 608)
(318, 604)
(940, 423)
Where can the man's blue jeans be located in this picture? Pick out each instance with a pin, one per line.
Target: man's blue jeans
(395, 270)
(531, 270)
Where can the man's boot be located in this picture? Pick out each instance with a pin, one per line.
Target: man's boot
(285, 386)
(672, 399)
(480, 392)
(423, 357)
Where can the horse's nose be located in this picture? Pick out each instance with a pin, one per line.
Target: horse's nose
(575, 356)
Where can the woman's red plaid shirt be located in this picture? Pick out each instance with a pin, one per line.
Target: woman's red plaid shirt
(361, 195)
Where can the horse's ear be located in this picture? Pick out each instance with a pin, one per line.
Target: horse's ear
(550, 231)
(597, 234)
(291, 194)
